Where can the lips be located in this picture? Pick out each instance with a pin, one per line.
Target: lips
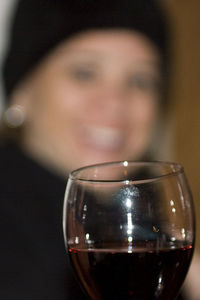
(104, 138)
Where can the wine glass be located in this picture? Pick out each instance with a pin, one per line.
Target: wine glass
(129, 229)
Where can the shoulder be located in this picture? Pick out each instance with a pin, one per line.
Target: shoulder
(16, 169)
(10, 158)
(5, 158)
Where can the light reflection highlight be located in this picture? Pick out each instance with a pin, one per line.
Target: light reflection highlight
(76, 240)
(128, 203)
(125, 163)
(183, 233)
(130, 239)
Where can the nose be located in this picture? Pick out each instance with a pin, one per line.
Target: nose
(112, 100)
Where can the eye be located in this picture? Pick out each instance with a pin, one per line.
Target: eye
(143, 82)
(83, 73)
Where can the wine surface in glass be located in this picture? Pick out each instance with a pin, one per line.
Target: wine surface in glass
(140, 274)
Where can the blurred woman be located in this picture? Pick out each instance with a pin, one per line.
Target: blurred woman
(84, 83)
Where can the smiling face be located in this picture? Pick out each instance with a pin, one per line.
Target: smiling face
(94, 99)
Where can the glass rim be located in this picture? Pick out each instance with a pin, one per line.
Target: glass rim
(176, 169)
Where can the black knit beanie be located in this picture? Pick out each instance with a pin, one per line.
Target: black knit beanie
(40, 25)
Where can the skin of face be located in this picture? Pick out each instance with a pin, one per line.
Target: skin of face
(93, 99)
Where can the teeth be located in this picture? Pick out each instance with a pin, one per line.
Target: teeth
(105, 137)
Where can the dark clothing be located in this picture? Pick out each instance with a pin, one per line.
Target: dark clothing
(34, 264)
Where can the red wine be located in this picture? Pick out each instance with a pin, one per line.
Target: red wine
(139, 275)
